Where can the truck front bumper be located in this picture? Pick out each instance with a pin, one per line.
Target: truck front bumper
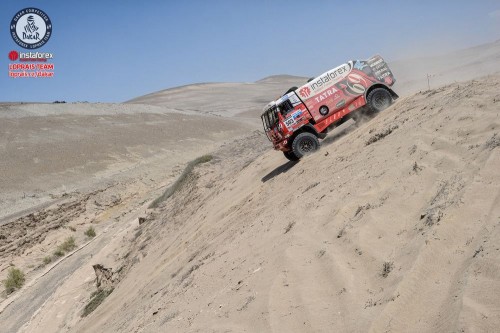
(282, 145)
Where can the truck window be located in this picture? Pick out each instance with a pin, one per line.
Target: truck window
(285, 107)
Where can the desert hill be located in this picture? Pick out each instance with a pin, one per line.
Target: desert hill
(393, 226)
(244, 100)
(50, 150)
(73, 167)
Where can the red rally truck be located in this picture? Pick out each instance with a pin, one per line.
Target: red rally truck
(295, 121)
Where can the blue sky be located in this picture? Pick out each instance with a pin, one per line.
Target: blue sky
(112, 51)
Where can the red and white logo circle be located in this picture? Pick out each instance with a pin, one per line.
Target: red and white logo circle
(13, 55)
(305, 92)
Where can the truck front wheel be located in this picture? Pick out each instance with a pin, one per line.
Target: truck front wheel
(379, 99)
(305, 143)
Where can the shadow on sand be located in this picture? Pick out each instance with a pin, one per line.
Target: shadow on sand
(279, 170)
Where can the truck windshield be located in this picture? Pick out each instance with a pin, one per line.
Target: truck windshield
(285, 107)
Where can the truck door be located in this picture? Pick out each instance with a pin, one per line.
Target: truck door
(293, 111)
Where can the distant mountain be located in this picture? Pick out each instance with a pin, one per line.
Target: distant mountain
(223, 99)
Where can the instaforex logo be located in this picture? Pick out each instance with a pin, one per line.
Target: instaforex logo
(324, 81)
(328, 78)
(31, 28)
(30, 56)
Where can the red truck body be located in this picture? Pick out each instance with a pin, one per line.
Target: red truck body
(325, 100)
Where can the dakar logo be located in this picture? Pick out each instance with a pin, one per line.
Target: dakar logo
(305, 92)
(30, 28)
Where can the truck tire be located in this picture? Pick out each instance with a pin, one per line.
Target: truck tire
(290, 90)
(290, 156)
(305, 143)
(379, 99)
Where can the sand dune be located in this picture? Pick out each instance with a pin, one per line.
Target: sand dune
(394, 232)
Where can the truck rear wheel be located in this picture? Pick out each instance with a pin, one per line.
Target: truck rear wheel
(305, 143)
(290, 156)
(379, 99)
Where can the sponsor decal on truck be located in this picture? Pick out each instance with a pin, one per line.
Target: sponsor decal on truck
(325, 81)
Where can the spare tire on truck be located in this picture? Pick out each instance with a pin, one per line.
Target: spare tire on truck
(305, 143)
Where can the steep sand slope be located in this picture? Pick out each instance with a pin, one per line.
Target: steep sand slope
(391, 227)
(67, 168)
